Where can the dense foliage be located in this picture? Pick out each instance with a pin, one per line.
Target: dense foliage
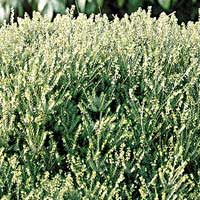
(99, 109)
(185, 9)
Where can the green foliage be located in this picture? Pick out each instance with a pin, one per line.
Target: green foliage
(99, 109)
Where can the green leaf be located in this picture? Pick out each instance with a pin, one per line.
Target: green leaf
(120, 3)
(48, 10)
(4, 12)
(20, 9)
(81, 4)
(173, 2)
(134, 5)
(90, 7)
(100, 3)
(42, 4)
(165, 4)
(58, 5)
(33, 4)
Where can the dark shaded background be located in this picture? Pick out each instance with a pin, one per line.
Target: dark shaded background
(186, 10)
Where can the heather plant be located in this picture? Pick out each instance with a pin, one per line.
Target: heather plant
(185, 9)
(99, 109)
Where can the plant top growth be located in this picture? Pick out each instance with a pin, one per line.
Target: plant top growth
(99, 109)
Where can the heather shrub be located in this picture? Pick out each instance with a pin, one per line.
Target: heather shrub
(185, 10)
(99, 109)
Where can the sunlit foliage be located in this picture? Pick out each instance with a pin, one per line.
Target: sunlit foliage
(99, 109)
(185, 9)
